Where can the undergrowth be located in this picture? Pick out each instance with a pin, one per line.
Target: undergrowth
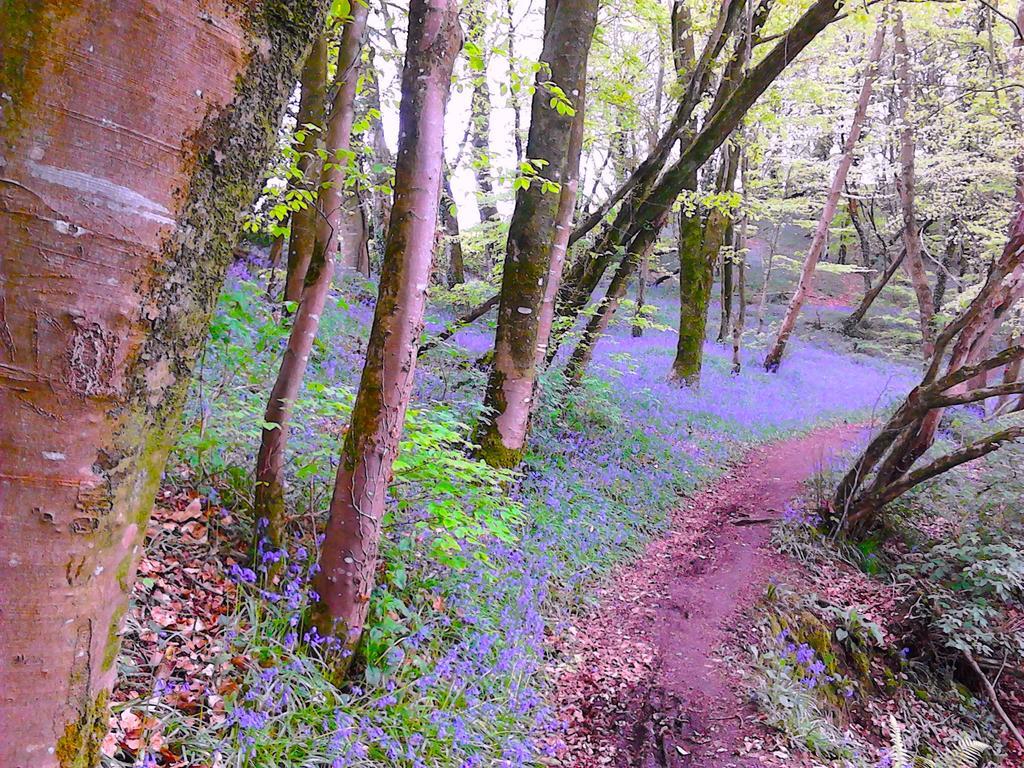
(478, 566)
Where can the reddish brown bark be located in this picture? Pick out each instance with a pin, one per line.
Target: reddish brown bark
(533, 233)
(123, 165)
(905, 182)
(349, 554)
(774, 358)
(312, 102)
(889, 458)
(270, 482)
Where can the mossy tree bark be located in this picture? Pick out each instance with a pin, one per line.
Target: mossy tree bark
(312, 111)
(818, 243)
(698, 247)
(270, 503)
(533, 231)
(348, 557)
(112, 261)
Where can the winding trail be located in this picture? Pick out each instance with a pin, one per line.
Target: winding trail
(640, 680)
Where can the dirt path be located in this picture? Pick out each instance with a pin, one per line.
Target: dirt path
(640, 684)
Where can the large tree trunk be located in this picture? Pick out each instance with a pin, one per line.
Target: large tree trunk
(905, 183)
(774, 358)
(348, 557)
(533, 230)
(123, 166)
(270, 505)
(312, 103)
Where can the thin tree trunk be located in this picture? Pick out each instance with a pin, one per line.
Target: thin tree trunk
(905, 184)
(312, 101)
(116, 236)
(725, 319)
(862, 236)
(383, 161)
(774, 358)
(513, 95)
(741, 283)
(598, 324)
(450, 220)
(269, 509)
(348, 557)
(949, 258)
(563, 229)
(501, 433)
(767, 267)
(480, 117)
(641, 288)
(851, 322)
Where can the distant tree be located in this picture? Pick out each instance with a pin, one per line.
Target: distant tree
(774, 358)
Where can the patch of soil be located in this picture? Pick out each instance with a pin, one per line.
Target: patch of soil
(639, 681)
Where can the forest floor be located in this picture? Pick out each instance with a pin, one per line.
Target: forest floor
(641, 680)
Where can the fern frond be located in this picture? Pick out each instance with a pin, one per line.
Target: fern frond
(966, 753)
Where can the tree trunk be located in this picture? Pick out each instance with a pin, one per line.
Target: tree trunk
(774, 358)
(740, 322)
(641, 289)
(563, 229)
(124, 165)
(380, 201)
(698, 249)
(862, 237)
(732, 159)
(905, 183)
(513, 95)
(348, 556)
(269, 510)
(480, 117)
(450, 220)
(638, 249)
(851, 322)
(312, 101)
(766, 267)
(533, 230)
(950, 257)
